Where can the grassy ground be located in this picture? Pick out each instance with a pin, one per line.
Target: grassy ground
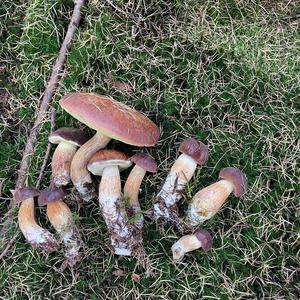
(226, 72)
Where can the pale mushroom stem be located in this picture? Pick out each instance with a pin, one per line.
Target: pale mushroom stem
(208, 201)
(184, 245)
(131, 192)
(61, 219)
(181, 173)
(61, 163)
(114, 215)
(80, 176)
(37, 236)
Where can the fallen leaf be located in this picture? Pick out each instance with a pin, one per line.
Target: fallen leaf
(136, 277)
(118, 273)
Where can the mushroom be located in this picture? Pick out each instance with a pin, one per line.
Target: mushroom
(193, 152)
(108, 164)
(143, 163)
(111, 120)
(190, 242)
(37, 236)
(60, 217)
(68, 139)
(208, 201)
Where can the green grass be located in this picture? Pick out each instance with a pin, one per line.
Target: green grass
(226, 72)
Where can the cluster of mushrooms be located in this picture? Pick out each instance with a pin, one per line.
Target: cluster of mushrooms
(77, 157)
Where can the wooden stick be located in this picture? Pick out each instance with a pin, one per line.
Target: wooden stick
(47, 153)
(45, 102)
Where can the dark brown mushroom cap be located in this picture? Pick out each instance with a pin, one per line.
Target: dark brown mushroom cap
(205, 238)
(144, 161)
(237, 178)
(50, 195)
(73, 136)
(195, 149)
(25, 193)
(108, 158)
(111, 118)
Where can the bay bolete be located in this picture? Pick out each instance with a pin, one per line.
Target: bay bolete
(194, 153)
(208, 201)
(37, 236)
(67, 140)
(143, 163)
(60, 216)
(108, 164)
(190, 242)
(111, 120)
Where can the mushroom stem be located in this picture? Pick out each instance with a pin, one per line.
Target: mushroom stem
(184, 245)
(208, 201)
(114, 216)
(61, 163)
(131, 192)
(171, 192)
(199, 239)
(61, 219)
(80, 176)
(37, 236)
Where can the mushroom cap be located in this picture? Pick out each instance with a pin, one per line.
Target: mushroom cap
(205, 238)
(237, 178)
(144, 161)
(111, 118)
(25, 193)
(195, 149)
(50, 195)
(108, 158)
(73, 136)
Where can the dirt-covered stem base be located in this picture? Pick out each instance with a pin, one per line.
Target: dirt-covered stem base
(123, 240)
(165, 202)
(37, 236)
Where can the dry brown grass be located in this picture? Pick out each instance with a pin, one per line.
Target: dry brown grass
(226, 72)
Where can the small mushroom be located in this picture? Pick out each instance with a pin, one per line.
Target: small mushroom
(60, 217)
(108, 164)
(68, 139)
(37, 236)
(208, 201)
(200, 239)
(111, 120)
(143, 163)
(193, 152)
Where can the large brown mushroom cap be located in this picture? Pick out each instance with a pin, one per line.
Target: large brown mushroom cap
(111, 118)
(73, 136)
(195, 149)
(205, 238)
(50, 195)
(237, 178)
(25, 193)
(144, 161)
(108, 158)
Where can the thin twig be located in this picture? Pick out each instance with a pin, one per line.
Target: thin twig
(10, 243)
(47, 153)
